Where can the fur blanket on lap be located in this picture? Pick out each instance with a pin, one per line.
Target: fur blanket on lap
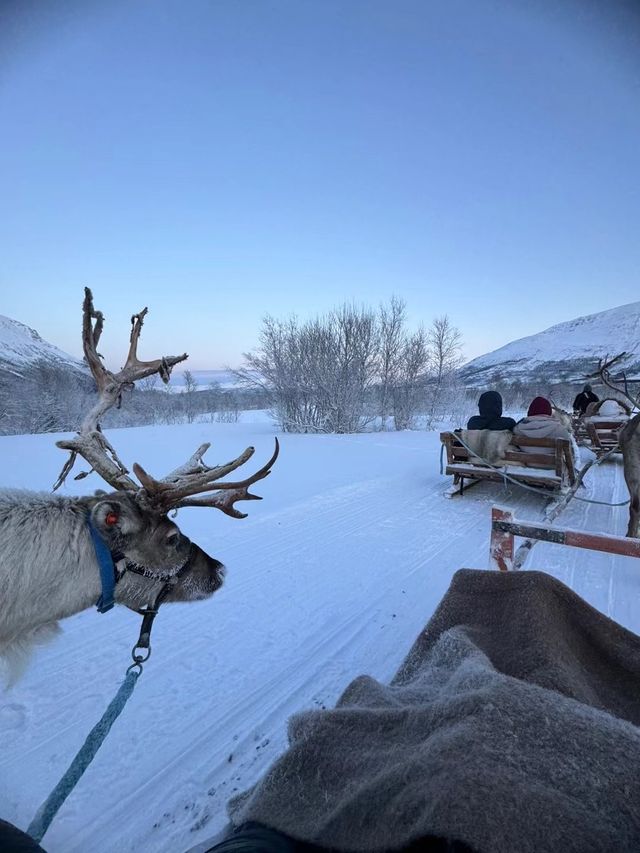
(489, 445)
(512, 725)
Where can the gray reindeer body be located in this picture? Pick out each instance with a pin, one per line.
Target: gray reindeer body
(49, 569)
(630, 445)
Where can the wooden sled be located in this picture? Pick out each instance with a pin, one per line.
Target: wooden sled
(552, 470)
(603, 434)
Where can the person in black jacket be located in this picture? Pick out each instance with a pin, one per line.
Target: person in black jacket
(583, 399)
(490, 417)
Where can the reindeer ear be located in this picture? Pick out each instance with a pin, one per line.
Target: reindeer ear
(115, 516)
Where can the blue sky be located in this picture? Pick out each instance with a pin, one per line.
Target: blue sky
(220, 160)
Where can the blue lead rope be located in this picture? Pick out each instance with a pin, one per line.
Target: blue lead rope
(83, 759)
(107, 570)
(99, 732)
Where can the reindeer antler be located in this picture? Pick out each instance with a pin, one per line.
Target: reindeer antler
(90, 442)
(176, 490)
(604, 373)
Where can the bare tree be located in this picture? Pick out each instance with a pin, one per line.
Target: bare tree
(213, 395)
(320, 372)
(409, 378)
(45, 397)
(189, 395)
(338, 372)
(353, 338)
(445, 344)
(149, 383)
(229, 410)
(392, 339)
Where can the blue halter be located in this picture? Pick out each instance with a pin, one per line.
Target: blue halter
(107, 570)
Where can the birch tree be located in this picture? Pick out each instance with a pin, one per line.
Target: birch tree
(392, 340)
(445, 344)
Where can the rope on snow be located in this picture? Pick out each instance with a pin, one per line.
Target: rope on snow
(83, 759)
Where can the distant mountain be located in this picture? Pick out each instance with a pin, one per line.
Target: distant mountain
(21, 346)
(566, 352)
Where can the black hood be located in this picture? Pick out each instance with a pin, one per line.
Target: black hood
(490, 405)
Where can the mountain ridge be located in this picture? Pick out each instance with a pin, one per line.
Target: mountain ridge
(566, 351)
(20, 346)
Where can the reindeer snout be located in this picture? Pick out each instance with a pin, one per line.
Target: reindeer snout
(218, 571)
(208, 572)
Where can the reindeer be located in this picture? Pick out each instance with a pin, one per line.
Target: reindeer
(54, 550)
(562, 415)
(628, 439)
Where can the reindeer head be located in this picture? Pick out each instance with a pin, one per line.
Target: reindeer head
(154, 552)
(562, 415)
(133, 520)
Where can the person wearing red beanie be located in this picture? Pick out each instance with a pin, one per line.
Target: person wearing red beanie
(539, 406)
(540, 423)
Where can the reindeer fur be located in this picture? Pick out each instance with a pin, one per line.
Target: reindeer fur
(630, 445)
(489, 445)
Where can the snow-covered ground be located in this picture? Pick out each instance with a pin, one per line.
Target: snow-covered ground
(332, 575)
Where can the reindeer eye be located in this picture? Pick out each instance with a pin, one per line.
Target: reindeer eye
(172, 539)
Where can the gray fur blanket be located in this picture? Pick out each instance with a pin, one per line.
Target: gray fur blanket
(512, 725)
(489, 445)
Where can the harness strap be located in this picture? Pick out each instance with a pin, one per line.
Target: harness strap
(149, 613)
(107, 570)
(109, 575)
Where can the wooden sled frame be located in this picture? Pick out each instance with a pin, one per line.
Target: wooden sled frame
(579, 429)
(549, 472)
(504, 529)
(603, 435)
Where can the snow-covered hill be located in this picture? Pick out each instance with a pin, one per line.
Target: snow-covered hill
(21, 346)
(568, 351)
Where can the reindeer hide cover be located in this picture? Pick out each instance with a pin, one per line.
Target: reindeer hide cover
(511, 725)
(490, 445)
